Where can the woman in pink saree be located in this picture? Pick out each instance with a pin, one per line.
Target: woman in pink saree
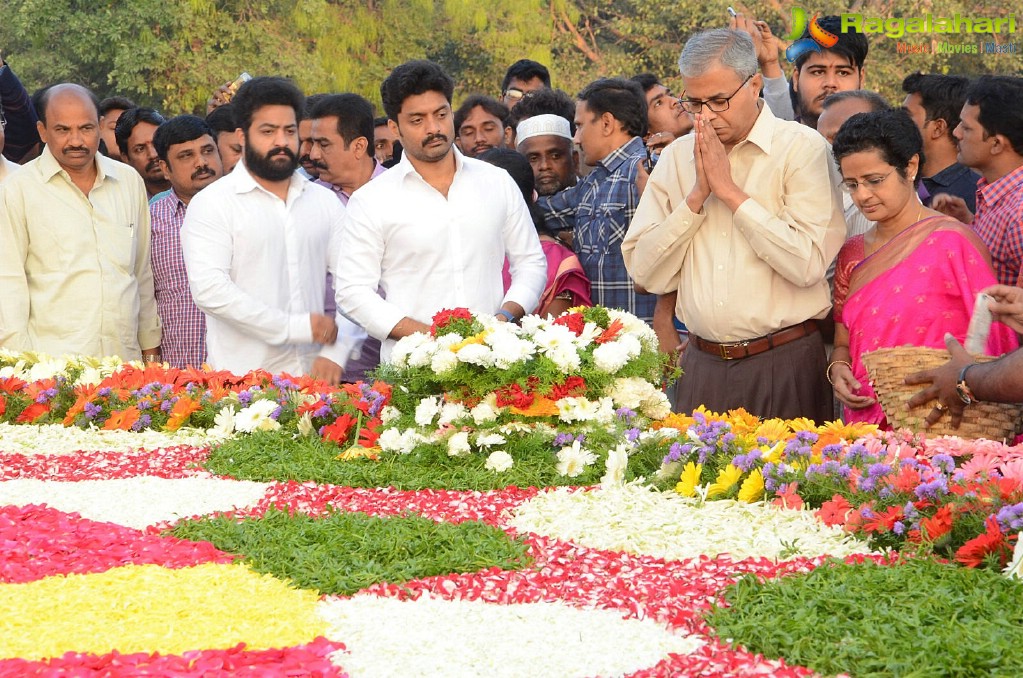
(911, 278)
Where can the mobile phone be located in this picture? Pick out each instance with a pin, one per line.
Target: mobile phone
(238, 82)
(732, 12)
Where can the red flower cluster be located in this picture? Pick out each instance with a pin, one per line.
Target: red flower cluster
(573, 321)
(446, 316)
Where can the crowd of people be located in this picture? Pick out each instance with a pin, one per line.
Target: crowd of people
(771, 229)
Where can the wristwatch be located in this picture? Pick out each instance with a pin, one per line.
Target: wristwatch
(965, 394)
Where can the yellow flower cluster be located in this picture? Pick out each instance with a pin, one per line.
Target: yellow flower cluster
(148, 608)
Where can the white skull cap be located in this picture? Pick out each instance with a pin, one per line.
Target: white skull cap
(540, 125)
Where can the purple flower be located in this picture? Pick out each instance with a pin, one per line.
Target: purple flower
(625, 413)
(92, 411)
(245, 397)
(144, 404)
(898, 527)
(141, 423)
(676, 452)
(322, 411)
(632, 435)
(276, 413)
(932, 489)
(104, 392)
(1010, 518)
(944, 462)
(878, 470)
(563, 439)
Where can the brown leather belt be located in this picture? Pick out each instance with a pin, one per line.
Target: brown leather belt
(744, 349)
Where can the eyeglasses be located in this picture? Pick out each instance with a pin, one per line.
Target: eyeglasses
(871, 184)
(717, 104)
(3, 120)
(513, 94)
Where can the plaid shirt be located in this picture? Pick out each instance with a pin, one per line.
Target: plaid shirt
(598, 210)
(184, 325)
(999, 223)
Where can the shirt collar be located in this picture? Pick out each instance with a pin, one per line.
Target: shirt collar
(178, 203)
(49, 167)
(761, 134)
(950, 174)
(615, 158)
(244, 182)
(405, 167)
(1001, 187)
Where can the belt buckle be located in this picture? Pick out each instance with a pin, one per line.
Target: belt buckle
(723, 349)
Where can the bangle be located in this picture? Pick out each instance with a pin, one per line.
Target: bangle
(151, 358)
(832, 364)
(508, 315)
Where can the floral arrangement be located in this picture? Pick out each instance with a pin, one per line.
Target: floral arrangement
(108, 394)
(961, 500)
(576, 386)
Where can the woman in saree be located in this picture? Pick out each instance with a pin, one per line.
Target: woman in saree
(911, 278)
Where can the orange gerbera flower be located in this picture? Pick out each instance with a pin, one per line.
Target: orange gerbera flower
(992, 542)
(835, 510)
(540, 407)
(122, 420)
(937, 525)
(32, 413)
(180, 413)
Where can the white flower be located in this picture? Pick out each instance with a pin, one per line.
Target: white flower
(396, 440)
(450, 412)
(573, 460)
(45, 369)
(405, 347)
(305, 425)
(657, 406)
(573, 408)
(489, 439)
(223, 423)
(641, 396)
(389, 413)
(635, 327)
(90, 376)
(486, 411)
(499, 461)
(1014, 570)
(443, 362)
(422, 355)
(476, 354)
(509, 349)
(616, 463)
(426, 410)
(458, 444)
(566, 357)
(613, 355)
(256, 417)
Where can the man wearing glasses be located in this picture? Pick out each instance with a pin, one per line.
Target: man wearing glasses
(523, 76)
(742, 219)
(6, 166)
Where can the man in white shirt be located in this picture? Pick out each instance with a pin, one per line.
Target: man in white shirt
(433, 231)
(256, 246)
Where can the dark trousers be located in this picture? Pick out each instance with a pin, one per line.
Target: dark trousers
(786, 382)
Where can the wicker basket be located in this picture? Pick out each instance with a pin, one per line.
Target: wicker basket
(888, 367)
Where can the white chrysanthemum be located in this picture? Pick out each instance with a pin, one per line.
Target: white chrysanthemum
(450, 412)
(531, 324)
(490, 439)
(509, 349)
(389, 413)
(566, 357)
(224, 423)
(616, 463)
(552, 337)
(657, 406)
(427, 409)
(458, 444)
(256, 417)
(613, 355)
(305, 425)
(448, 340)
(486, 411)
(499, 461)
(396, 440)
(574, 459)
(421, 355)
(476, 354)
(406, 346)
(634, 326)
(443, 362)
(630, 392)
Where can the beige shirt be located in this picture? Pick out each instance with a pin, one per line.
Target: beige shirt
(747, 274)
(75, 273)
(7, 168)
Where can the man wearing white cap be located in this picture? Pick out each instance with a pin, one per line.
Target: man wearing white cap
(546, 141)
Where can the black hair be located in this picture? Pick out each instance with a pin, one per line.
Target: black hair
(41, 99)
(412, 78)
(1000, 99)
(380, 121)
(646, 80)
(542, 102)
(265, 91)
(116, 103)
(875, 100)
(221, 119)
(525, 70)
(516, 165)
(488, 104)
(129, 120)
(178, 130)
(621, 98)
(354, 116)
(941, 96)
(892, 132)
(310, 103)
(851, 44)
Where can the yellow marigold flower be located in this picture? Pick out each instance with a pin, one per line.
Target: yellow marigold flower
(474, 339)
(690, 479)
(774, 429)
(752, 489)
(675, 420)
(846, 431)
(727, 478)
(742, 421)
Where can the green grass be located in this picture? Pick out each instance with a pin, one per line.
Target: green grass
(273, 456)
(342, 553)
(919, 618)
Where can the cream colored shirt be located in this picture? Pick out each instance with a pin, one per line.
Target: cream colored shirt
(7, 168)
(75, 275)
(746, 274)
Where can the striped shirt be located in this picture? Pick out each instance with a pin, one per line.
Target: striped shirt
(999, 223)
(598, 210)
(184, 325)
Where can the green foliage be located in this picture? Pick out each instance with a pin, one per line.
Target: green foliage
(916, 618)
(343, 553)
(268, 456)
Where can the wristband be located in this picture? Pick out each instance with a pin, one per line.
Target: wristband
(508, 315)
(827, 373)
(962, 389)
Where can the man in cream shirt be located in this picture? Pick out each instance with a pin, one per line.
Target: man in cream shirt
(74, 243)
(742, 219)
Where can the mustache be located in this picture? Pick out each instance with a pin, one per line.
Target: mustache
(434, 137)
(203, 172)
(153, 165)
(73, 149)
(287, 152)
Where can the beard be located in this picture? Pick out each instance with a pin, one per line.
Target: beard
(277, 165)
